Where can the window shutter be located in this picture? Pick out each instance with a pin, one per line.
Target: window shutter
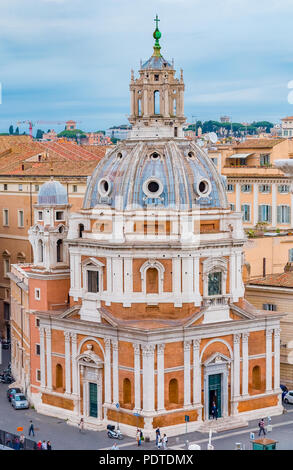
(260, 219)
(269, 213)
(288, 215)
(261, 160)
(248, 213)
(278, 214)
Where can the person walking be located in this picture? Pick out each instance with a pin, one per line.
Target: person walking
(158, 435)
(114, 446)
(81, 425)
(49, 446)
(165, 442)
(44, 445)
(214, 410)
(39, 445)
(31, 429)
(138, 439)
(261, 426)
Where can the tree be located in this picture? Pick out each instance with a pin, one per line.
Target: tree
(75, 134)
(16, 131)
(11, 129)
(39, 134)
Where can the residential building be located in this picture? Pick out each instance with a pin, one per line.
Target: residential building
(24, 166)
(118, 132)
(155, 326)
(287, 127)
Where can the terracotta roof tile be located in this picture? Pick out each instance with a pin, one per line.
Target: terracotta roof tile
(258, 143)
(276, 280)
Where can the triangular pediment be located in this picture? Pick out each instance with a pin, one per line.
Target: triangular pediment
(217, 358)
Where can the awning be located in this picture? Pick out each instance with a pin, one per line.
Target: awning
(240, 155)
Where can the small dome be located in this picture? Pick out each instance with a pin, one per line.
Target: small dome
(52, 193)
(156, 63)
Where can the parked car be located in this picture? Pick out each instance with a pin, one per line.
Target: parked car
(284, 390)
(11, 391)
(288, 398)
(19, 401)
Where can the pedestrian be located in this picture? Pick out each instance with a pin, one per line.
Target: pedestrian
(158, 435)
(21, 441)
(261, 426)
(39, 445)
(114, 446)
(138, 437)
(44, 445)
(49, 446)
(214, 410)
(165, 442)
(141, 436)
(159, 445)
(31, 429)
(16, 443)
(81, 425)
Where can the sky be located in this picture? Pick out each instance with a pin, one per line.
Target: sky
(71, 59)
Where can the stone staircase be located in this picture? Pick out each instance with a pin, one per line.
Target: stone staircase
(223, 424)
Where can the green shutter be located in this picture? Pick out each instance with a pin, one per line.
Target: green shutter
(269, 213)
(279, 214)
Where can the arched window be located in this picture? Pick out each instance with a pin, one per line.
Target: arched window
(173, 391)
(139, 107)
(152, 281)
(126, 391)
(40, 251)
(59, 376)
(157, 102)
(80, 230)
(59, 251)
(256, 378)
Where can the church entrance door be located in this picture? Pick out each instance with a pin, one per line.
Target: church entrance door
(93, 396)
(215, 393)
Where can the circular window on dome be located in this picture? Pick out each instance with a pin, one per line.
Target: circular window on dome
(119, 155)
(155, 155)
(191, 154)
(152, 187)
(204, 187)
(104, 187)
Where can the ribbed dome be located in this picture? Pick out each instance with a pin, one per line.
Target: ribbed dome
(52, 193)
(157, 63)
(156, 174)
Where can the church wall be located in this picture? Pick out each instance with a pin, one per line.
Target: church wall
(60, 402)
(257, 342)
(255, 404)
(34, 358)
(174, 418)
(53, 295)
(141, 311)
(57, 341)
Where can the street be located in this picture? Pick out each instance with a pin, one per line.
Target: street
(65, 437)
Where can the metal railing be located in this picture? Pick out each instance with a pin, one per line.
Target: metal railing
(10, 440)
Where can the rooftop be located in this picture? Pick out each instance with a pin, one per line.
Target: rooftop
(258, 143)
(284, 279)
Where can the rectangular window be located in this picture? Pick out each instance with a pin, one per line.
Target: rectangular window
(20, 218)
(5, 186)
(38, 375)
(283, 188)
(264, 213)
(246, 188)
(37, 294)
(20, 187)
(37, 322)
(283, 214)
(93, 281)
(37, 187)
(230, 188)
(5, 217)
(291, 255)
(232, 207)
(74, 188)
(215, 284)
(245, 209)
(38, 349)
(59, 215)
(6, 263)
(40, 215)
(264, 159)
(264, 188)
(156, 78)
(270, 307)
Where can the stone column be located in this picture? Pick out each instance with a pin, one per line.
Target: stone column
(237, 189)
(145, 103)
(42, 357)
(115, 372)
(160, 377)
(108, 391)
(74, 365)
(67, 362)
(277, 358)
(196, 373)
(167, 113)
(148, 351)
(269, 332)
(137, 398)
(49, 358)
(245, 368)
(236, 368)
(187, 398)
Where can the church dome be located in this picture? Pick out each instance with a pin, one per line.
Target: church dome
(52, 193)
(156, 174)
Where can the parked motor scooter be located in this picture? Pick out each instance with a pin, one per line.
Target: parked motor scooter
(112, 433)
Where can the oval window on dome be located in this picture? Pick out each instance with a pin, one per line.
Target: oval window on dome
(155, 155)
(153, 187)
(204, 187)
(104, 187)
(119, 155)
